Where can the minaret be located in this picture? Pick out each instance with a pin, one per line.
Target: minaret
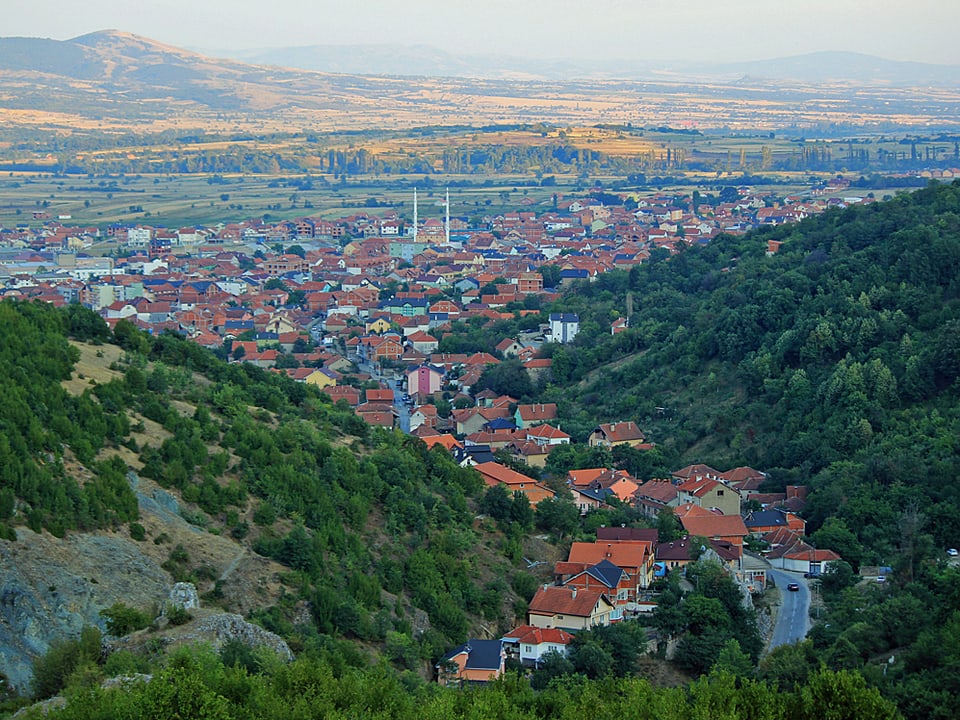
(447, 226)
(414, 214)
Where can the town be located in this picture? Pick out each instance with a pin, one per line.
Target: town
(359, 307)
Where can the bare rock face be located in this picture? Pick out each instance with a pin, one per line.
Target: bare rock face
(51, 588)
(184, 596)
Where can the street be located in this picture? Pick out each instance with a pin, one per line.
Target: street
(793, 617)
(401, 409)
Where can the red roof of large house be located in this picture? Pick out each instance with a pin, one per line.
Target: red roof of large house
(559, 600)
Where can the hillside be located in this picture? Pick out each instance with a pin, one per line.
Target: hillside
(832, 361)
(131, 463)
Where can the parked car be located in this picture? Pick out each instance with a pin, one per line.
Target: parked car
(793, 587)
(811, 575)
(952, 552)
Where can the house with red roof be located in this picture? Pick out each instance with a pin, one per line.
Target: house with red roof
(379, 395)
(744, 478)
(537, 368)
(569, 608)
(618, 433)
(529, 453)
(347, 393)
(634, 557)
(711, 525)
(529, 644)
(789, 551)
(710, 494)
(695, 471)
(529, 415)
(423, 415)
(494, 474)
(654, 496)
(547, 435)
(423, 342)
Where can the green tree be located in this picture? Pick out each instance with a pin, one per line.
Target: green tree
(842, 695)
(52, 670)
(733, 660)
(835, 535)
(123, 619)
(788, 667)
(561, 517)
(496, 502)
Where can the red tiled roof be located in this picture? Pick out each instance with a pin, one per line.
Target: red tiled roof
(530, 635)
(621, 431)
(715, 525)
(558, 600)
(623, 555)
(538, 412)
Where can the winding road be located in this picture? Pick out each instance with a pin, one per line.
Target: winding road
(793, 617)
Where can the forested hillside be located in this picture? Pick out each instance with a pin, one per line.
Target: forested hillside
(833, 361)
(374, 528)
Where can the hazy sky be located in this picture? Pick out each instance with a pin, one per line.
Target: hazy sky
(720, 30)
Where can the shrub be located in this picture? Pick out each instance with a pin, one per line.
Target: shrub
(138, 532)
(177, 615)
(51, 672)
(123, 619)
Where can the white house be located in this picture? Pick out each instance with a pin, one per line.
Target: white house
(138, 237)
(564, 327)
(530, 644)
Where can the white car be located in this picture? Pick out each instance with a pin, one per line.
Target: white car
(952, 552)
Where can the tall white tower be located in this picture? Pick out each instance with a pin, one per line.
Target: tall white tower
(414, 214)
(447, 224)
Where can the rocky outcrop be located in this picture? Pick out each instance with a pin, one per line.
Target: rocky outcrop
(183, 596)
(220, 629)
(50, 588)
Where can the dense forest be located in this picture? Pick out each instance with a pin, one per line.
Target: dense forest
(371, 523)
(832, 362)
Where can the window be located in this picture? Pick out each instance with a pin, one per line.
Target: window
(719, 493)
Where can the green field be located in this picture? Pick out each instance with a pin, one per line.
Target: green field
(184, 200)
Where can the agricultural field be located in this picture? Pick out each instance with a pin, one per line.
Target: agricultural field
(177, 180)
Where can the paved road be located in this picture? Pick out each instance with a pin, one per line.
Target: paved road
(793, 618)
(402, 410)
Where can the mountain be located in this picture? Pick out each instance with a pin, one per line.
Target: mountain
(118, 81)
(119, 72)
(846, 67)
(425, 60)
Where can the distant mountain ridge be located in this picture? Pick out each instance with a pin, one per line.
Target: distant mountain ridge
(99, 55)
(425, 60)
(136, 82)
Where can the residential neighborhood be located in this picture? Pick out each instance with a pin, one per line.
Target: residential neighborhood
(360, 308)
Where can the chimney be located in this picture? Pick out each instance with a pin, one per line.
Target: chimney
(573, 592)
